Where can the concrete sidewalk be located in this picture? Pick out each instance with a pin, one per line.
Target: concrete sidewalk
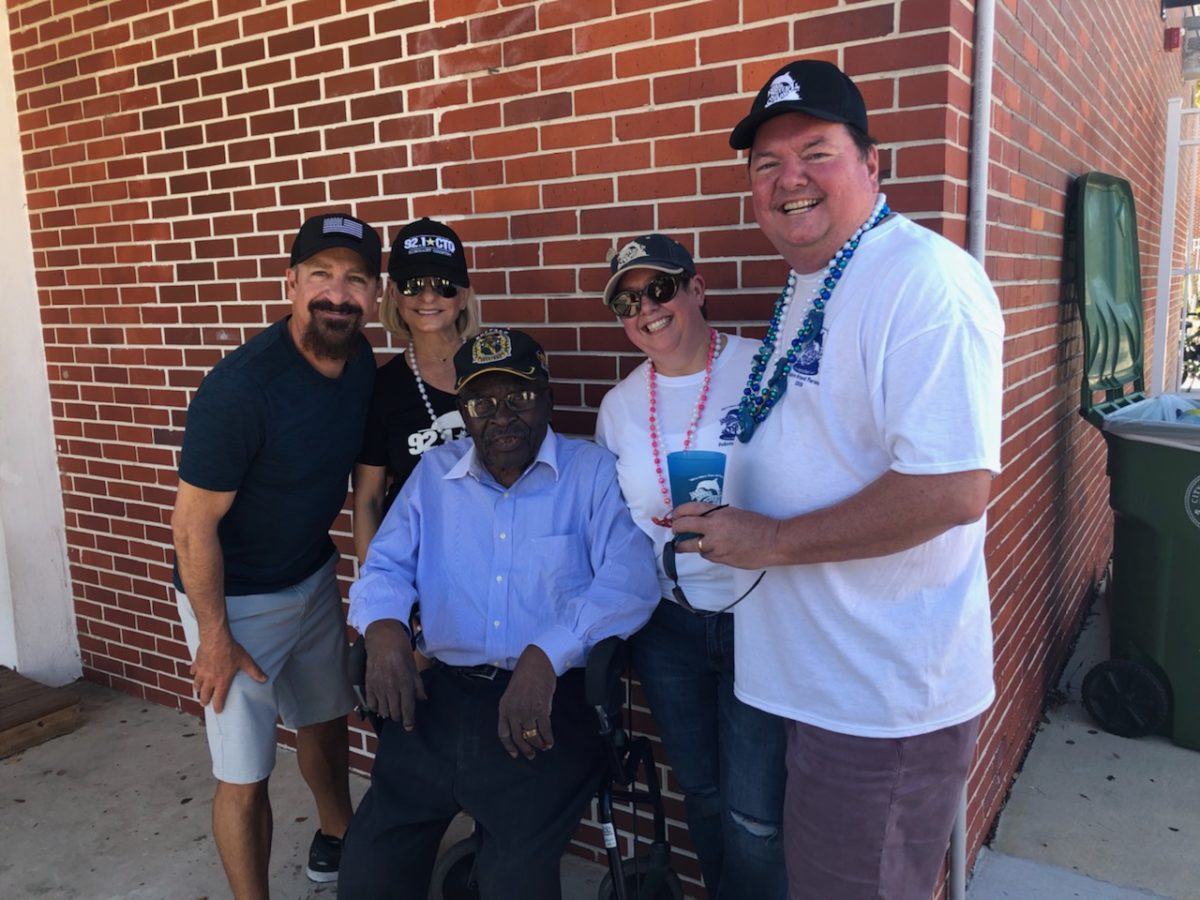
(1093, 815)
(120, 809)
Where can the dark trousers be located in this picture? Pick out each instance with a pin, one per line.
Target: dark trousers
(525, 811)
(728, 757)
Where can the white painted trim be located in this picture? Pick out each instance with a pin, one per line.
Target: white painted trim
(37, 614)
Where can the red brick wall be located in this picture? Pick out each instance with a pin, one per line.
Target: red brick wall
(1075, 91)
(172, 149)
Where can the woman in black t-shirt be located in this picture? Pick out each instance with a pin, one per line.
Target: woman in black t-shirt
(428, 303)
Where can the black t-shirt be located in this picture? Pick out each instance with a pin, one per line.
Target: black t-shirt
(268, 425)
(398, 425)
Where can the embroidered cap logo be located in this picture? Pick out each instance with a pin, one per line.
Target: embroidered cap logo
(429, 243)
(490, 347)
(631, 251)
(341, 225)
(782, 88)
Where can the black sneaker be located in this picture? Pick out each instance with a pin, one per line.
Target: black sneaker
(324, 854)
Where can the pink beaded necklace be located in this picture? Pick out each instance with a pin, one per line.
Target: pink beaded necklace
(656, 442)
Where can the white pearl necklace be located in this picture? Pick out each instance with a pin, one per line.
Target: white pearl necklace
(416, 370)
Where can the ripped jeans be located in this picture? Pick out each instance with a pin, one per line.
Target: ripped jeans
(727, 757)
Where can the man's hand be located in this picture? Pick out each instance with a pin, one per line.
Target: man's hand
(524, 725)
(218, 659)
(393, 684)
(730, 536)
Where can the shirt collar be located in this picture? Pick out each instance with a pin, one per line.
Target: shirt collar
(472, 465)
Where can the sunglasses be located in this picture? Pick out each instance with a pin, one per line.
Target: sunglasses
(628, 303)
(411, 287)
(668, 561)
(486, 407)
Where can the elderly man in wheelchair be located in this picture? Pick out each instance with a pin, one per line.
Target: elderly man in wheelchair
(523, 555)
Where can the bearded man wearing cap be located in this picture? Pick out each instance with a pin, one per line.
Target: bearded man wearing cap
(271, 436)
(523, 555)
(869, 431)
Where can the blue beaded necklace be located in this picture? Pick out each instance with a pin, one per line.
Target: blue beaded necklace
(757, 402)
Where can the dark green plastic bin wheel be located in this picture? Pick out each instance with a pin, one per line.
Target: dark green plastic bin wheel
(1126, 698)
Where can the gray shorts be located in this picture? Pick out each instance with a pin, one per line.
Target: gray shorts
(298, 638)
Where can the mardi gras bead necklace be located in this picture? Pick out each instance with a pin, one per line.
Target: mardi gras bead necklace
(757, 402)
(656, 441)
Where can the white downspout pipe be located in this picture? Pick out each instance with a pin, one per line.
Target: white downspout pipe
(977, 219)
(1166, 247)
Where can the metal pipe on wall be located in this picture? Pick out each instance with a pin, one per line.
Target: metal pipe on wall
(977, 192)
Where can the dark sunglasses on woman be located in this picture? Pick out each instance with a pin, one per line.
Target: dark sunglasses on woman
(661, 289)
(412, 287)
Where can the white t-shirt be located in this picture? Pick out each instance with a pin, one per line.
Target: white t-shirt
(623, 427)
(909, 380)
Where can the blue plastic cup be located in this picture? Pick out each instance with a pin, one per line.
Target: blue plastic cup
(695, 475)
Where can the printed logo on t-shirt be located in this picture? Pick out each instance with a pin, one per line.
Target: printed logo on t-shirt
(808, 363)
(729, 426)
(447, 427)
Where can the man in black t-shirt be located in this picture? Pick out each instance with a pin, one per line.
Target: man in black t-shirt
(272, 434)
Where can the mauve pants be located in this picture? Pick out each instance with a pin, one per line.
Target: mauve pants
(870, 818)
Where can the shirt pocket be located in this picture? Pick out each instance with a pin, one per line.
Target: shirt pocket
(561, 570)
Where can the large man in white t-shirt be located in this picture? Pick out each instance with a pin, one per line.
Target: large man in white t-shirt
(870, 431)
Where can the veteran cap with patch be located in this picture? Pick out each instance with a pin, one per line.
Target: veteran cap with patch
(500, 350)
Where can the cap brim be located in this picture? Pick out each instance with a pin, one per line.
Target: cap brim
(656, 265)
(455, 274)
(527, 374)
(742, 136)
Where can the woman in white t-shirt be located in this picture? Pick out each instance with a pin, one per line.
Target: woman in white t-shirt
(728, 757)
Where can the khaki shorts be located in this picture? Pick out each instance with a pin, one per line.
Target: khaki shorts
(298, 638)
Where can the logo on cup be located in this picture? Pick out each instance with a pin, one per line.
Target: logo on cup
(708, 490)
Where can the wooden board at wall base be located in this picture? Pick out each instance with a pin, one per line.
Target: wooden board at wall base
(31, 713)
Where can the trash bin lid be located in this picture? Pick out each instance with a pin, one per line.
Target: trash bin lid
(1108, 289)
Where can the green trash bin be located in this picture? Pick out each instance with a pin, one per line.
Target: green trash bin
(1152, 681)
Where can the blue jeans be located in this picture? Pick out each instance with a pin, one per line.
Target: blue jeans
(728, 757)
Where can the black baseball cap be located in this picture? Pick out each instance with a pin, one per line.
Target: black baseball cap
(426, 247)
(810, 86)
(650, 251)
(338, 230)
(500, 350)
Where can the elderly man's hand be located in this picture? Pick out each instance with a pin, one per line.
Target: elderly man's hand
(730, 536)
(393, 683)
(524, 725)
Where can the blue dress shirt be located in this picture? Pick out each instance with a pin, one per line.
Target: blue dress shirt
(555, 560)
